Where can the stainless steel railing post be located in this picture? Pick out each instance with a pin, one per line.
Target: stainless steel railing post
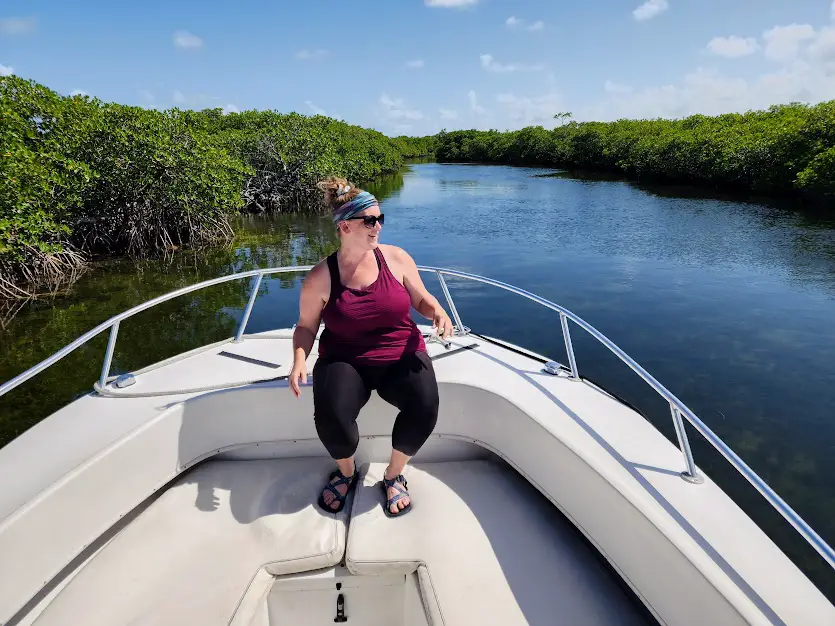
(689, 474)
(569, 348)
(451, 303)
(245, 319)
(108, 355)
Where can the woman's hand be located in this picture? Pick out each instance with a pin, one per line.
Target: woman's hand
(315, 289)
(299, 372)
(441, 323)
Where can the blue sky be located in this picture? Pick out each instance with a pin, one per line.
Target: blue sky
(416, 66)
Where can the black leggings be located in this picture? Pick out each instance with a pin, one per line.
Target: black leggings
(341, 389)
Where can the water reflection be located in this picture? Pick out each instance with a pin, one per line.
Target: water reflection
(386, 186)
(43, 326)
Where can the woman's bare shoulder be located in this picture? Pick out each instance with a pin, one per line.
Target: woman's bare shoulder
(394, 253)
(399, 261)
(318, 279)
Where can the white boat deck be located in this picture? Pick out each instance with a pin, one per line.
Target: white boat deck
(493, 547)
(686, 551)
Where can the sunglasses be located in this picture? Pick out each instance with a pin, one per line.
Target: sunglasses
(370, 220)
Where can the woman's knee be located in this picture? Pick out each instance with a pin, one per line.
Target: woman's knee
(339, 439)
(421, 413)
(426, 404)
(427, 390)
(412, 428)
(339, 393)
(336, 427)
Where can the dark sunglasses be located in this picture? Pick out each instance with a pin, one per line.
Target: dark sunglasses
(370, 220)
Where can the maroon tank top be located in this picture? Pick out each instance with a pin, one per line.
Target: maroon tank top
(369, 326)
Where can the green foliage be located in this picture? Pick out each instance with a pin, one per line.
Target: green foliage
(40, 184)
(158, 183)
(412, 147)
(819, 175)
(77, 174)
(778, 151)
(290, 152)
(81, 174)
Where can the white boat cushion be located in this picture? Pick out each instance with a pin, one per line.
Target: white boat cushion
(189, 558)
(494, 550)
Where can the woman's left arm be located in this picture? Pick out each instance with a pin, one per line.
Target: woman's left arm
(424, 302)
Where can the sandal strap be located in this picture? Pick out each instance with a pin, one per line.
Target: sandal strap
(343, 480)
(394, 482)
(395, 498)
(333, 490)
(399, 483)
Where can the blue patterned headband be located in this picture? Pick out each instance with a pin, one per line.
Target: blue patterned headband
(362, 201)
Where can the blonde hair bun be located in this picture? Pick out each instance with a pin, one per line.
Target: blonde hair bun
(338, 191)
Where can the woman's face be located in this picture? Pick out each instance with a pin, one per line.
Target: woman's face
(358, 233)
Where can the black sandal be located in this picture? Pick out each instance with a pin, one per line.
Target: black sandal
(395, 482)
(351, 481)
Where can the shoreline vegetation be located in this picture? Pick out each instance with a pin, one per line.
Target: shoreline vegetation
(787, 151)
(81, 179)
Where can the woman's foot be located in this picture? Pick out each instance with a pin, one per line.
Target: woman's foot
(397, 498)
(333, 495)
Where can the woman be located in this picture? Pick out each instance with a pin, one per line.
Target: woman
(363, 293)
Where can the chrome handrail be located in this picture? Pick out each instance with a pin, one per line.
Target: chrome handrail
(677, 407)
(32, 371)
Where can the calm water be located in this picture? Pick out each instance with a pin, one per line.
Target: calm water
(729, 304)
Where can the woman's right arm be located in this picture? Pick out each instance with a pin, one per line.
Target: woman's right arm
(311, 302)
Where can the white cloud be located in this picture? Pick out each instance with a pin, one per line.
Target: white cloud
(5, 70)
(782, 43)
(716, 88)
(516, 22)
(822, 48)
(78, 92)
(650, 9)
(305, 55)
(230, 108)
(525, 111)
(394, 109)
(446, 4)
(187, 41)
(801, 82)
(700, 92)
(17, 25)
(490, 64)
(800, 44)
(506, 110)
(314, 109)
(804, 72)
(416, 64)
(733, 47)
(401, 129)
(710, 92)
(475, 107)
(178, 96)
(613, 87)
